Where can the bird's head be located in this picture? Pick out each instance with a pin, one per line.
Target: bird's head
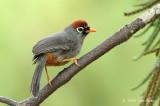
(81, 27)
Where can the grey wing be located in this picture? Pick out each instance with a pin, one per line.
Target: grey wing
(54, 43)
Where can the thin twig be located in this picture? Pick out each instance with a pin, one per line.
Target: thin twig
(143, 8)
(142, 4)
(152, 51)
(8, 101)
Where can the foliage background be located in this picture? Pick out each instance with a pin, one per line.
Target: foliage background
(106, 82)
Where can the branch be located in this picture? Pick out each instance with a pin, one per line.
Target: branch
(116, 39)
(8, 101)
(145, 6)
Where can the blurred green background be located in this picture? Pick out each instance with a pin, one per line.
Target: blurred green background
(105, 82)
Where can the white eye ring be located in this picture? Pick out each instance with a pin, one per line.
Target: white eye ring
(80, 29)
(86, 26)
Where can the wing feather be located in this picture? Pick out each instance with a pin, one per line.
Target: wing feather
(54, 43)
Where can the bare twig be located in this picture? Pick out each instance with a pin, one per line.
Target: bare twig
(142, 4)
(145, 6)
(116, 39)
(151, 51)
(8, 101)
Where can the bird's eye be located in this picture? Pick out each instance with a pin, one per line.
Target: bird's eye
(85, 26)
(80, 29)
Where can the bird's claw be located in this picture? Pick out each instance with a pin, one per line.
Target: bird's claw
(75, 61)
(49, 81)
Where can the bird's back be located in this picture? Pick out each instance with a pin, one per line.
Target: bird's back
(61, 44)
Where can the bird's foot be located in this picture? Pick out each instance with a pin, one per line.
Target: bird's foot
(49, 81)
(74, 59)
(48, 78)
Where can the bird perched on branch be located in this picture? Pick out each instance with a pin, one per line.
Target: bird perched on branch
(58, 49)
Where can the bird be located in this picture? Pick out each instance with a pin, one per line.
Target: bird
(58, 49)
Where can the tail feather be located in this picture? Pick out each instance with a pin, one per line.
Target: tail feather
(34, 89)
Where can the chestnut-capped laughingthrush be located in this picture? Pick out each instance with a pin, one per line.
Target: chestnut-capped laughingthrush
(58, 49)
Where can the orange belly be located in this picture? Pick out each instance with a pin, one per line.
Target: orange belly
(52, 60)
